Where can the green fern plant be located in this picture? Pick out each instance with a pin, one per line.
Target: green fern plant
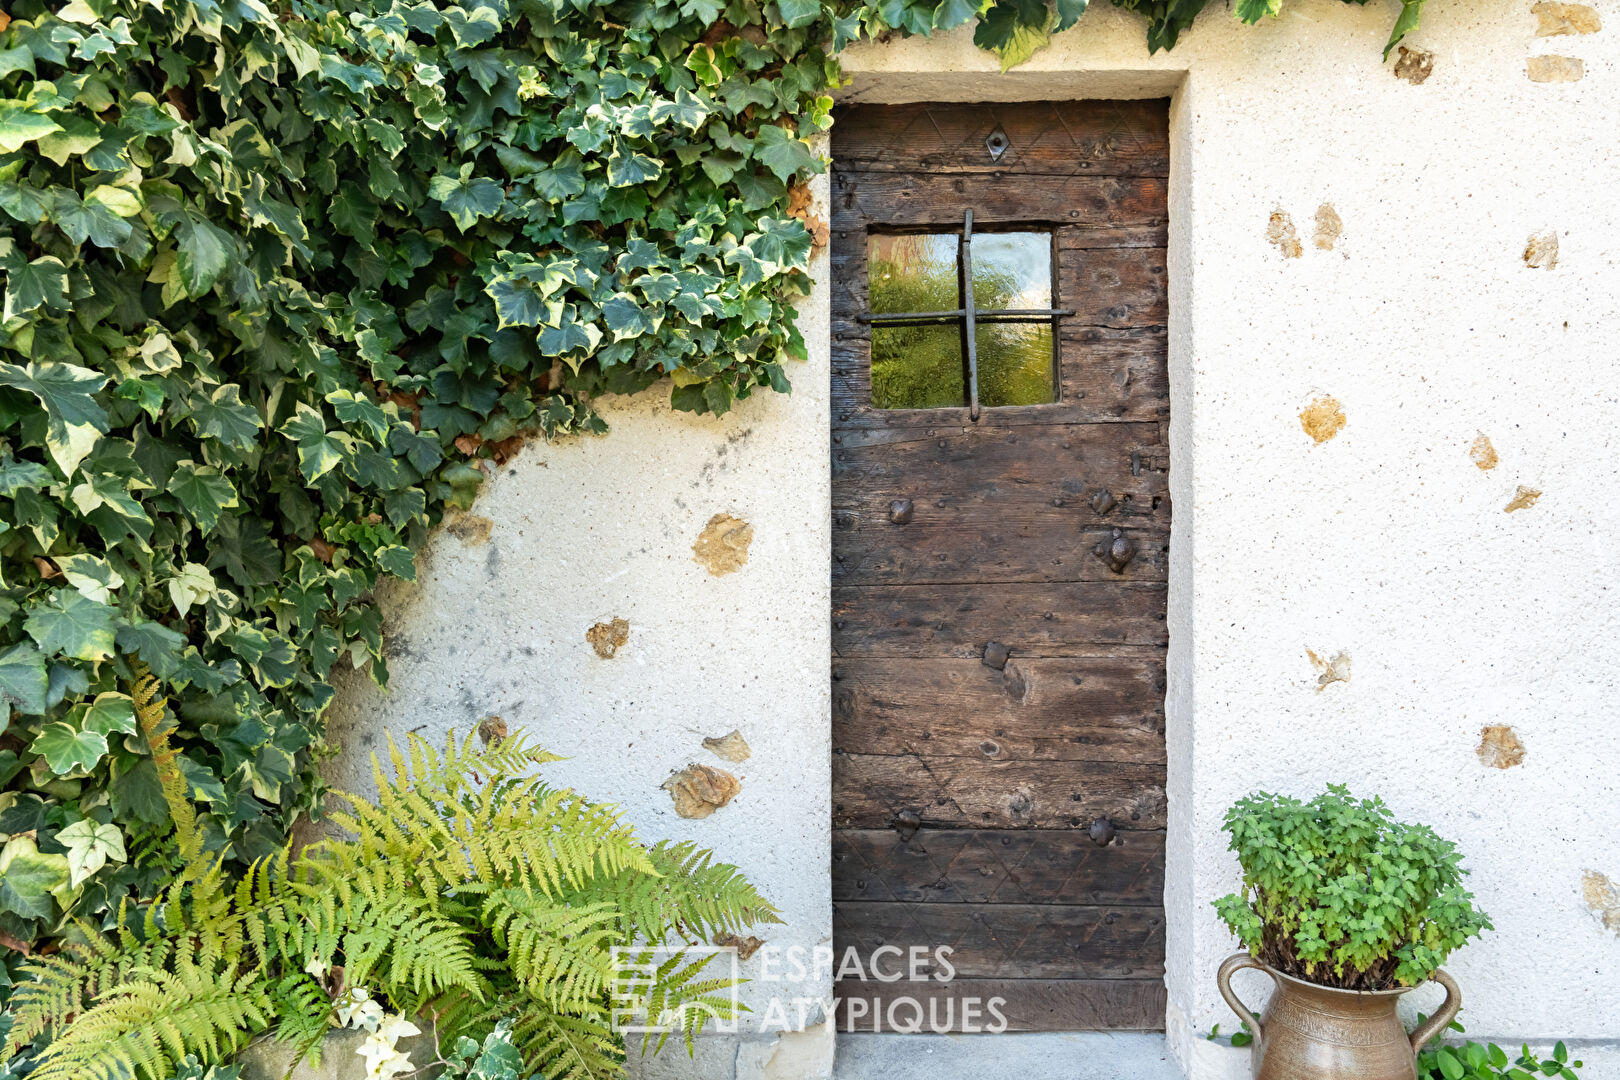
(469, 893)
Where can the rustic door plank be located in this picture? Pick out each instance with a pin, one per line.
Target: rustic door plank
(1127, 138)
(873, 791)
(1053, 709)
(1055, 619)
(998, 866)
(1009, 941)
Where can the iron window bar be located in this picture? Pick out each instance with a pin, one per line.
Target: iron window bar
(969, 315)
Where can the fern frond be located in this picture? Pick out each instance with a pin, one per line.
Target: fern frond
(568, 1047)
(145, 1028)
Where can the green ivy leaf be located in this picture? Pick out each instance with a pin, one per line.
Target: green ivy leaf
(466, 198)
(517, 302)
(69, 623)
(1069, 12)
(782, 153)
(68, 750)
(1015, 30)
(76, 421)
(90, 846)
(23, 680)
(1405, 23)
(20, 126)
(203, 252)
(28, 878)
(1252, 11)
(319, 451)
(220, 414)
(30, 285)
(94, 577)
(203, 491)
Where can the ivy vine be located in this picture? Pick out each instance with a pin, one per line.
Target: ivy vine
(283, 278)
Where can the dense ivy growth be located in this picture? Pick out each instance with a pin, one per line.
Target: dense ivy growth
(280, 281)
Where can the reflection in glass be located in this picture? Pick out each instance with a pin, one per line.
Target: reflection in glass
(918, 367)
(1012, 270)
(912, 273)
(1015, 363)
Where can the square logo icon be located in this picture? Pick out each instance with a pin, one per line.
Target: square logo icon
(660, 989)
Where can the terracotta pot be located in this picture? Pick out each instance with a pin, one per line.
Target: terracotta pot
(1311, 1032)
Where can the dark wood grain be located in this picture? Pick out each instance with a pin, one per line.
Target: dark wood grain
(1064, 138)
(1055, 619)
(998, 866)
(1009, 941)
(962, 1005)
(921, 201)
(1055, 709)
(871, 790)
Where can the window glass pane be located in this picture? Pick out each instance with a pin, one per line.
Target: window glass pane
(1012, 270)
(918, 367)
(1015, 363)
(913, 273)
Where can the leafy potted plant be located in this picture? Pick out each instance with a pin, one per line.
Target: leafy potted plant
(1346, 909)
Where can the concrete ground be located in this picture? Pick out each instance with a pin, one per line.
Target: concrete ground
(1033, 1056)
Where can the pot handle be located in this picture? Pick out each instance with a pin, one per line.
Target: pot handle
(1237, 962)
(1445, 1014)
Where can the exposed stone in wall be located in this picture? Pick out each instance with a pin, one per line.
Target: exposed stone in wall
(1483, 453)
(1602, 897)
(746, 946)
(1553, 19)
(1330, 671)
(1541, 252)
(732, 747)
(700, 790)
(606, 638)
(1499, 747)
(1322, 419)
(1523, 499)
(491, 729)
(470, 529)
(1329, 227)
(1414, 65)
(1555, 69)
(722, 547)
(1280, 231)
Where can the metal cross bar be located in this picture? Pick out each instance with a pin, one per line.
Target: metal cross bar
(970, 322)
(987, 315)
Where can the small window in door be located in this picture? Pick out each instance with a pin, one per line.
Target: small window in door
(962, 319)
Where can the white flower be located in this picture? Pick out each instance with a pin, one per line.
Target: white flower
(383, 1062)
(357, 1009)
(394, 1028)
(315, 969)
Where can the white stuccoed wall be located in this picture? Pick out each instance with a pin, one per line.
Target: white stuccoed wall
(584, 530)
(1386, 542)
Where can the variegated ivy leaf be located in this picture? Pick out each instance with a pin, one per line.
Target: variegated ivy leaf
(92, 576)
(69, 751)
(193, 584)
(71, 624)
(74, 420)
(90, 846)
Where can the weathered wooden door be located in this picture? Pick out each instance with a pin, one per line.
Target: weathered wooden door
(1001, 536)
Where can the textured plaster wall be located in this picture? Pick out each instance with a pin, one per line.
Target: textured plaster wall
(1359, 609)
(582, 531)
